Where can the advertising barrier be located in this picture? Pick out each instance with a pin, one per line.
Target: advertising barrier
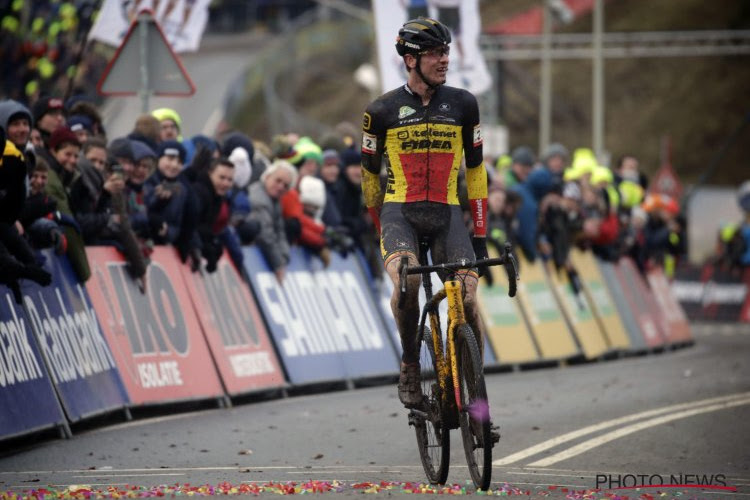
(552, 335)
(324, 322)
(233, 329)
(600, 299)
(28, 401)
(155, 336)
(578, 313)
(507, 331)
(639, 299)
(636, 336)
(677, 328)
(79, 360)
(713, 294)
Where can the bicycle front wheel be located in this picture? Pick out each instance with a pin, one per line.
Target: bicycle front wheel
(433, 437)
(474, 417)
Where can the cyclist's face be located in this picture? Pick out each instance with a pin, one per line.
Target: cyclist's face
(435, 64)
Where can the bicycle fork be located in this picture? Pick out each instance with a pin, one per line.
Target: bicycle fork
(456, 317)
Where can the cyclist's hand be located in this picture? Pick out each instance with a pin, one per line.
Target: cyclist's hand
(480, 252)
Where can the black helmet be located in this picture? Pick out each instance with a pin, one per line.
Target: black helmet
(421, 34)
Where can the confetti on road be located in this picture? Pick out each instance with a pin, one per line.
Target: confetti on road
(83, 492)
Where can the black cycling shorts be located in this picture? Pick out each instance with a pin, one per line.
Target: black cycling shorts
(403, 225)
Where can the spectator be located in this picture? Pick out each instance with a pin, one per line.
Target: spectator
(211, 190)
(99, 205)
(17, 260)
(165, 196)
(62, 157)
(170, 124)
(265, 197)
(83, 105)
(121, 152)
(39, 214)
(522, 163)
(48, 116)
(239, 200)
(329, 173)
(16, 119)
(82, 126)
(143, 167)
(302, 229)
(147, 130)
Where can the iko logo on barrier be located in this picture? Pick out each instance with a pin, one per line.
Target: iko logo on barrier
(342, 323)
(71, 341)
(17, 360)
(154, 323)
(227, 302)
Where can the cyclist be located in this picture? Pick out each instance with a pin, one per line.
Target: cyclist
(423, 129)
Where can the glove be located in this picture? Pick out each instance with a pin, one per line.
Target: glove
(480, 252)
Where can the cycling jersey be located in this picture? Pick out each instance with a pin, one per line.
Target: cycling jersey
(424, 146)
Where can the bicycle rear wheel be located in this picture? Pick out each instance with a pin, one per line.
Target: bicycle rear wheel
(433, 439)
(474, 417)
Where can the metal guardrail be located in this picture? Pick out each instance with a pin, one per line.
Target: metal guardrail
(619, 44)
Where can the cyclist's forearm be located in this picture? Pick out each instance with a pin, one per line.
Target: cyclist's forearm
(476, 184)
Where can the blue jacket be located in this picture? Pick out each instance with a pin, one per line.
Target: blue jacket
(537, 185)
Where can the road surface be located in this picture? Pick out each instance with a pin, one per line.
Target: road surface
(678, 417)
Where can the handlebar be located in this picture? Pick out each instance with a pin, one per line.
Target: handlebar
(508, 261)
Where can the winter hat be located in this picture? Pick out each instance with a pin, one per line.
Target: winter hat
(162, 114)
(237, 140)
(523, 155)
(331, 156)
(79, 122)
(312, 191)
(141, 150)
(122, 148)
(243, 167)
(172, 148)
(61, 136)
(555, 149)
(46, 105)
(351, 156)
(12, 110)
(306, 149)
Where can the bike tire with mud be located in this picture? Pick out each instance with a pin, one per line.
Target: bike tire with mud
(474, 417)
(433, 439)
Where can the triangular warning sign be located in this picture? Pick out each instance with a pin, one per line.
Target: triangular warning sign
(159, 71)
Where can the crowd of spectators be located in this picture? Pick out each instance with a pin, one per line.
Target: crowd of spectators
(202, 195)
(207, 195)
(548, 204)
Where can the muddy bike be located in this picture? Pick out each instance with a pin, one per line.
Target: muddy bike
(452, 373)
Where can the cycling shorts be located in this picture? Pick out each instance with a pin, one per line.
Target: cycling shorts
(404, 225)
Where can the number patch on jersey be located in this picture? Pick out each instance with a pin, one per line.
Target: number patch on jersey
(477, 136)
(369, 143)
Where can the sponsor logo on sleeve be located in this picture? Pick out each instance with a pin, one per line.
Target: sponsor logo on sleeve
(477, 135)
(369, 143)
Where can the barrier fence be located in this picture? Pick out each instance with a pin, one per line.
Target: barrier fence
(69, 351)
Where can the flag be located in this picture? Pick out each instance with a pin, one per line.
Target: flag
(182, 21)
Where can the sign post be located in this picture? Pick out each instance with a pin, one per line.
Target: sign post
(145, 65)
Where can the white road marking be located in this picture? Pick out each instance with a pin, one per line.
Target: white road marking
(624, 431)
(564, 438)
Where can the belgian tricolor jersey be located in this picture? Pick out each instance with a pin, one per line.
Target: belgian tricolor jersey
(424, 146)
